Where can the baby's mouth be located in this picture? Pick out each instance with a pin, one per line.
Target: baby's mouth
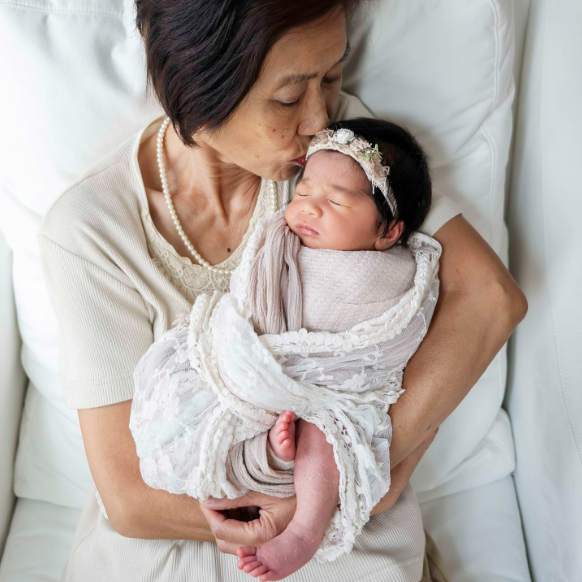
(303, 228)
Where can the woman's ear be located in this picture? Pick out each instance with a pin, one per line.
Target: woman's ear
(389, 239)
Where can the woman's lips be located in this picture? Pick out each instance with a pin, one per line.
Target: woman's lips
(300, 161)
(306, 230)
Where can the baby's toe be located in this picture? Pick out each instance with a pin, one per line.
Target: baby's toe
(287, 416)
(248, 568)
(259, 571)
(246, 551)
(244, 561)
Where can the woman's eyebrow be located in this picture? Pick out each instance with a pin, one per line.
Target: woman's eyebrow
(293, 78)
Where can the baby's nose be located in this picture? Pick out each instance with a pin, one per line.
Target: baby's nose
(311, 209)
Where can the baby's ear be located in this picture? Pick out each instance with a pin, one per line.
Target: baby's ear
(391, 237)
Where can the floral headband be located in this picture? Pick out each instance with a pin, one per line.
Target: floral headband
(345, 141)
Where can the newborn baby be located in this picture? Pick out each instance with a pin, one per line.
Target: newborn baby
(336, 207)
(332, 268)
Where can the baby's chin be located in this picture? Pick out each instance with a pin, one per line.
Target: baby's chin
(311, 244)
(319, 242)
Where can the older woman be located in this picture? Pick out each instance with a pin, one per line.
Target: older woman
(128, 248)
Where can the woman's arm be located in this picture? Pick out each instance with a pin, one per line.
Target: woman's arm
(134, 509)
(479, 306)
(137, 511)
(105, 328)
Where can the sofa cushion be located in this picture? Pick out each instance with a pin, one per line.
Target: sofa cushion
(77, 90)
(39, 542)
(478, 532)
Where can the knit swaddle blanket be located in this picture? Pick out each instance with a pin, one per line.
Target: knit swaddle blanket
(210, 388)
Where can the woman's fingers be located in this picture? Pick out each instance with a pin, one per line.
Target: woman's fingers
(252, 498)
(223, 504)
(241, 533)
(274, 516)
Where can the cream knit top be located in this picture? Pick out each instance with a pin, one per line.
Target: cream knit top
(117, 285)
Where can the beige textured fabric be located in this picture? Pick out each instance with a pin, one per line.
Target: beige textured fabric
(112, 299)
(253, 465)
(358, 291)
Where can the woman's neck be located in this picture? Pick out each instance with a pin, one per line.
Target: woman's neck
(200, 175)
(213, 199)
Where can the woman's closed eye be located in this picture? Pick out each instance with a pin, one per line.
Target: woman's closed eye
(326, 81)
(332, 80)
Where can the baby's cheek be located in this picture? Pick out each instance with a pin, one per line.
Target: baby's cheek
(289, 212)
(349, 233)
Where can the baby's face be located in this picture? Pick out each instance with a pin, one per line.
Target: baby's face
(332, 207)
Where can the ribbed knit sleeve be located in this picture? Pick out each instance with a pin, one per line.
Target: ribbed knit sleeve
(104, 328)
(442, 208)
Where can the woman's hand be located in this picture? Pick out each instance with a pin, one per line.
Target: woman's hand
(273, 514)
(400, 475)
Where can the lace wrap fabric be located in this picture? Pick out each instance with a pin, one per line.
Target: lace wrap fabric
(209, 386)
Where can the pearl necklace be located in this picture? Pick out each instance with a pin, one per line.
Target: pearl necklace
(272, 188)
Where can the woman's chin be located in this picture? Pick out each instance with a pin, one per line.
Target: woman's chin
(284, 173)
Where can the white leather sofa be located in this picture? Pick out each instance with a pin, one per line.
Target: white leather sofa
(508, 461)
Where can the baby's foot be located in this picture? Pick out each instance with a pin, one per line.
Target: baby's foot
(282, 436)
(281, 556)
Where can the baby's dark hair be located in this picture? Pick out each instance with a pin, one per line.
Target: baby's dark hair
(409, 173)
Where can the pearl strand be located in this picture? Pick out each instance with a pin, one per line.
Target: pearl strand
(272, 192)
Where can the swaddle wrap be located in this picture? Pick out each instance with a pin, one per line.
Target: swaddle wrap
(212, 383)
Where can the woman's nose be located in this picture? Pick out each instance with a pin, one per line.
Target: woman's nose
(315, 115)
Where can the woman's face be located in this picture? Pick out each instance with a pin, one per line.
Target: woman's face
(292, 100)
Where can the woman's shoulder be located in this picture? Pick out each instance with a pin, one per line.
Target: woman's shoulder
(103, 203)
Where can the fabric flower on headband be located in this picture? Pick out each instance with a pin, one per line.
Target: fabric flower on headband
(346, 142)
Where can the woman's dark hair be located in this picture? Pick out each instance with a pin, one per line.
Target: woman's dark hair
(204, 56)
(409, 173)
